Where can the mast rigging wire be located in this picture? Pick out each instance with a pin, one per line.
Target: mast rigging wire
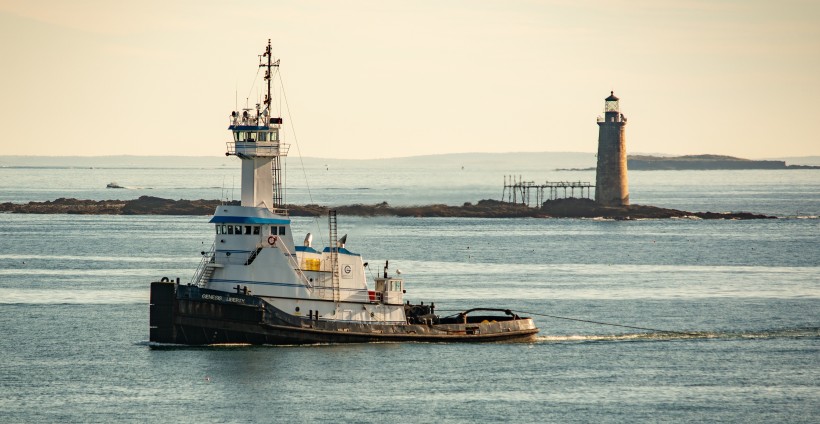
(252, 86)
(298, 150)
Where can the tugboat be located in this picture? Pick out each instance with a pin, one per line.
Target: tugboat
(255, 285)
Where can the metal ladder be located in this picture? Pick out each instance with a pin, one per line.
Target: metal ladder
(334, 255)
(204, 272)
(206, 275)
(276, 174)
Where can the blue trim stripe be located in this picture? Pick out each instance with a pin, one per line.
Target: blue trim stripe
(223, 219)
(343, 251)
(348, 289)
(219, 280)
(306, 249)
(269, 283)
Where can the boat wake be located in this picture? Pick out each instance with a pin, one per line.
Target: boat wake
(172, 346)
(789, 333)
(792, 333)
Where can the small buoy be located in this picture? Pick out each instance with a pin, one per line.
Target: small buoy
(207, 379)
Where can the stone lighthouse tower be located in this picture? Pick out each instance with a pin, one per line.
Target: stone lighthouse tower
(611, 183)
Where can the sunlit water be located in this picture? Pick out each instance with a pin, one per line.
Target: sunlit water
(733, 308)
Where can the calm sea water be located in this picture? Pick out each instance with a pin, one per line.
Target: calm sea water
(74, 314)
(408, 181)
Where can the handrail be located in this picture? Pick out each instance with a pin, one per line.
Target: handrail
(207, 258)
(292, 259)
(279, 211)
(465, 313)
(257, 148)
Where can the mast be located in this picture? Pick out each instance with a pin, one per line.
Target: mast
(276, 164)
(268, 74)
(256, 141)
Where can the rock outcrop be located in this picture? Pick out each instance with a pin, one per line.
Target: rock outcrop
(561, 208)
(586, 208)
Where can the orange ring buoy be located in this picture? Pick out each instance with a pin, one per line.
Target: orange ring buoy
(272, 240)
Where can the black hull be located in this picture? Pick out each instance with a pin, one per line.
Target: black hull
(191, 315)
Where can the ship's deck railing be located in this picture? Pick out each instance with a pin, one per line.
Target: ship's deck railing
(279, 211)
(207, 257)
(295, 264)
(257, 148)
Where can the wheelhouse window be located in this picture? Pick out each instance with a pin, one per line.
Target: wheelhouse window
(239, 229)
(281, 231)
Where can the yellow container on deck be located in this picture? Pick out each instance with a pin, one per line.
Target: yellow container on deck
(313, 264)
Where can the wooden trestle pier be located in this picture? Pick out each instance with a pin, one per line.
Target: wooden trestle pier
(525, 192)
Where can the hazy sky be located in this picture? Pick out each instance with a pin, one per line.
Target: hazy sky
(370, 79)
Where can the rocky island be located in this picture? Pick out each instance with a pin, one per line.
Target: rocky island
(698, 163)
(560, 208)
(587, 208)
(704, 162)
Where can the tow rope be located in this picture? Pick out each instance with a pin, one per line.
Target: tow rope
(607, 323)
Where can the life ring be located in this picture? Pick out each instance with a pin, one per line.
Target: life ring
(272, 240)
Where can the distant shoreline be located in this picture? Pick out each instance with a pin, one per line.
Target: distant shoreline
(561, 208)
(474, 160)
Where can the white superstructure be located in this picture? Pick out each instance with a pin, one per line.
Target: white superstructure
(254, 250)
